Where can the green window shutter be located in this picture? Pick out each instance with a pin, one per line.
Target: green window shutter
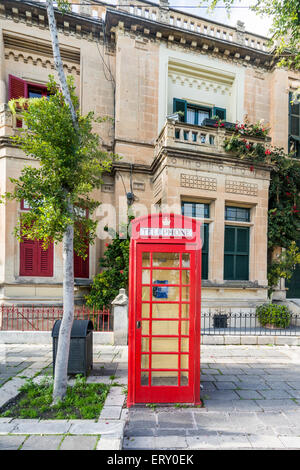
(236, 253)
(228, 267)
(229, 244)
(205, 250)
(242, 240)
(220, 112)
(180, 106)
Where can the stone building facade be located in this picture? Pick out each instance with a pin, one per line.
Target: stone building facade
(139, 63)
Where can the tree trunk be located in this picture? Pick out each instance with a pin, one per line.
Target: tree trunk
(58, 62)
(63, 347)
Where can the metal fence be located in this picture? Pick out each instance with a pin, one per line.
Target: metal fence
(232, 322)
(33, 318)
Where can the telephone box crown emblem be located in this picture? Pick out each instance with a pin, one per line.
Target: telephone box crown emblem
(166, 221)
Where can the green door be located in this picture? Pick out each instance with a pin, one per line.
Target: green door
(293, 284)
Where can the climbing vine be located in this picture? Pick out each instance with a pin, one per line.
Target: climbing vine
(284, 200)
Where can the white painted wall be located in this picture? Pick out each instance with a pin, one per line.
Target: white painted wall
(201, 80)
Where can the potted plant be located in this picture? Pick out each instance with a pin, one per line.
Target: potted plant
(273, 316)
(216, 121)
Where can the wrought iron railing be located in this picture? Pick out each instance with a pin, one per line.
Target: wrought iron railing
(217, 321)
(34, 318)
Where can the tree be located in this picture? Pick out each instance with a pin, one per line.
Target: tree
(285, 28)
(115, 261)
(58, 190)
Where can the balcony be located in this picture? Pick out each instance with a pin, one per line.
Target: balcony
(7, 121)
(189, 138)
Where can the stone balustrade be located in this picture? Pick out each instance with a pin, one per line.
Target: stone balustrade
(187, 137)
(8, 121)
(178, 19)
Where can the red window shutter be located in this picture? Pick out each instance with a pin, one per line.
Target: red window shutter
(45, 260)
(27, 257)
(34, 260)
(81, 266)
(17, 89)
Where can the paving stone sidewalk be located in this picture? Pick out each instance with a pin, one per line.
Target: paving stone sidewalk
(251, 398)
(19, 362)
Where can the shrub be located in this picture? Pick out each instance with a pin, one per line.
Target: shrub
(272, 314)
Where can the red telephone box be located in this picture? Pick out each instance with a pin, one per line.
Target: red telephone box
(164, 310)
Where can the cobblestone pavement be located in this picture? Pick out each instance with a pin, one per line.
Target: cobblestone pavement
(251, 398)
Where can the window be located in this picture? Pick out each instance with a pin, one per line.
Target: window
(236, 253)
(294, 126)
(19, 88)
(34, 259)
(193, 114)
(195, 209)
(237, 214)
(200, 210)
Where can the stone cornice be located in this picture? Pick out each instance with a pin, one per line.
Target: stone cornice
(35, 14)
(121, 20)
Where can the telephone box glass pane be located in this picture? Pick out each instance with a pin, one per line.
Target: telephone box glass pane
(145, 328)
(165, 260)
(185, 260)
(185, 276)
(165, 276)
(185, 294)
(146, 259)
(144, 378)
(145, 344)
(167, 378)
(164, 293)
(146, 276)
(185, 328)
(184, 378)
(184, 344)
(145, 310)
(145, 293)
(164, 345)
(184, 361)
(164, 361)
(166, 328)
(165, 310)
(145, 361)
(185, 310)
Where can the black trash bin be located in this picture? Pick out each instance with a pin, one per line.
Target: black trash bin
(81, 346)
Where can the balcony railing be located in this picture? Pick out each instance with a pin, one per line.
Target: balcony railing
(182, 136)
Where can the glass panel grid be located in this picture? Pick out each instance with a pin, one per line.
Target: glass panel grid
(237, 214)
(153, 360)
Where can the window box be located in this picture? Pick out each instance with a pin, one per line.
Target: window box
(212, 123)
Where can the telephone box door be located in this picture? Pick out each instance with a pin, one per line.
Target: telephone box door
(165, 362)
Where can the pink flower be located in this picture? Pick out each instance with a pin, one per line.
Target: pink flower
(288, 194)
(267, 152)
(251, 168)
(121, 271)
(106, 244)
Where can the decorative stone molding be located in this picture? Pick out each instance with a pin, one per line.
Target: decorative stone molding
(198, 182)
(39, 61)
(138, 186)
(157, 187)
(239, 187)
